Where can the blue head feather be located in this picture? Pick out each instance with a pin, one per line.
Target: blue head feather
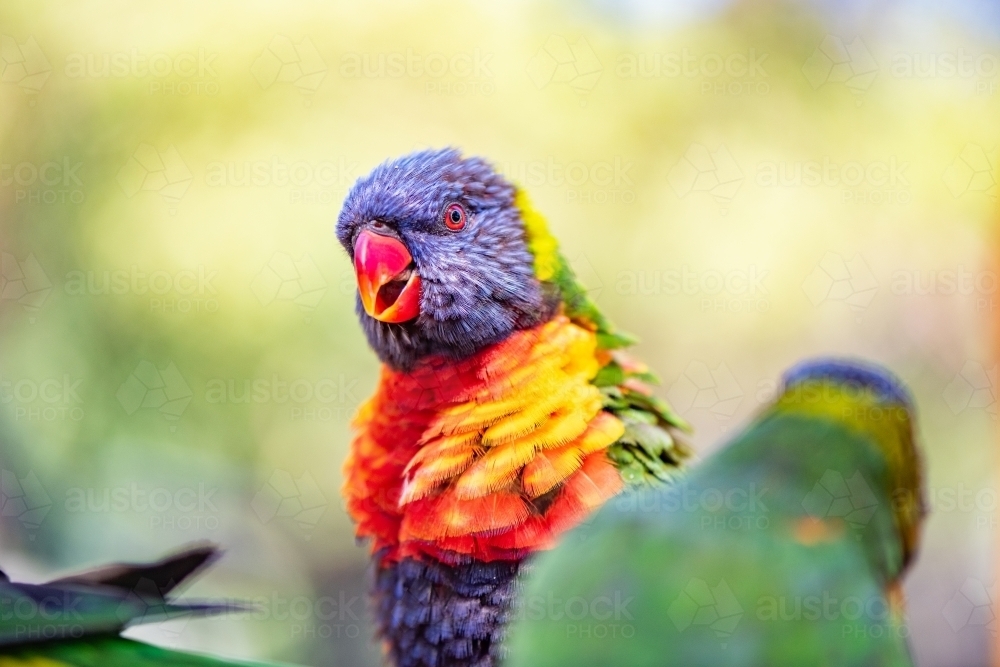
(883, 384)
(478, 284)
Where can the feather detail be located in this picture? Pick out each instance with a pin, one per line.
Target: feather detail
(428, 476)
(494, 470)
(438, 445)
(449, 516)
(528, 419)
(564, 425)
(595, 482)
(453, 457)
(551, 467)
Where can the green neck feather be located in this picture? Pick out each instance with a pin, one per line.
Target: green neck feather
(887, 426)
(551, 267)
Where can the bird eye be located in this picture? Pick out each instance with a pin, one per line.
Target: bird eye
(454, 217)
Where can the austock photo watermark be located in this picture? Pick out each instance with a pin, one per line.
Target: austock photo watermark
(23, 64)
(736, 73)
(308, 399)
(572, 62)
(178, 291)
(582, 181)
(23, 281)
(455, 73)
(51, 616)
(185, 290)
(323, 399)
(287, 61)
(183, 73)
(976, 502)
(598, 616)
(978, 68)
(857, 181)
(52, 399)
(65, 612)
(837, 61)
(980, 286)
(972, 606)
(870, 616)
(740, 507)
(294, 501)
(164, 388)
(715, 171)
(731, 290)
(152, 169)
(716, 389)
(715, 608)
(182, 508)
(53, 181)
(850, 280)
(324, 181)
(342, 615)
(286, 278)
(23, 497)
(707, 389)
(973, 388)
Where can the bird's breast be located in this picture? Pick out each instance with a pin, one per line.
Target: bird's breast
(490, 457)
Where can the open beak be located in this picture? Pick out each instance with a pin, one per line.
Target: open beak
(387, 278)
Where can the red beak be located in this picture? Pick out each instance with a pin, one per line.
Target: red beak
(387, 280)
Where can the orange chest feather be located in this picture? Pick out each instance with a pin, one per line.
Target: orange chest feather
(490, 457)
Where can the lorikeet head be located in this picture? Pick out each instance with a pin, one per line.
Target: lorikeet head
(859, 376)
(441, 257)
(870, 400)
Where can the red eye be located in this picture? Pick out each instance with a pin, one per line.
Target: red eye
(454, 217)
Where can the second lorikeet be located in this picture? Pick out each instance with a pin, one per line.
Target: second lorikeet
(506, 411)
(785, 548)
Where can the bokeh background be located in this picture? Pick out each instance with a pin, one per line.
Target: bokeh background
(740, 184)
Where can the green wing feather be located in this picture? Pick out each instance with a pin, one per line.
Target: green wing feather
(75, 621)
(109, 652)
(652, 450)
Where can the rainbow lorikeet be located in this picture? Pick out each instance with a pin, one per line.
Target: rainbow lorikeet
(506, 411)
(785, 548)
(75, 621)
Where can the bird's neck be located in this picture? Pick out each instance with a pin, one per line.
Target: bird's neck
(886, 426)
(823, 480)
(406, 346)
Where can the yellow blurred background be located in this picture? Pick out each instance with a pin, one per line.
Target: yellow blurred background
(739, 184)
